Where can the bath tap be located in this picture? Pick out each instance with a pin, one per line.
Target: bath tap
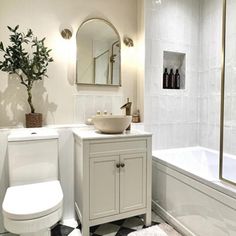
(127, 107)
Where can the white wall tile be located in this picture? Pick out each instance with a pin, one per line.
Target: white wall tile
(233, 141)
(227, 139)
(187, 117)
(87, 105)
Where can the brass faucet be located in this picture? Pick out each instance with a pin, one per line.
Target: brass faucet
(127, 107)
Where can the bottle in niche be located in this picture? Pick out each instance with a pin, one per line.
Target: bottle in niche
(171, 82)
(165, 79)
(177, 79)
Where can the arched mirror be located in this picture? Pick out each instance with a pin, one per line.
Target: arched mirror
(98, 53)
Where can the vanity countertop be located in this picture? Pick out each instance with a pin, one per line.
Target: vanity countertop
(91, 133)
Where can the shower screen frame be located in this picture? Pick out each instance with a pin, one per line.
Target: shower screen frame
(222, 102)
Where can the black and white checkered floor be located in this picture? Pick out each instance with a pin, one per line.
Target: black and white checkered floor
(116, 228)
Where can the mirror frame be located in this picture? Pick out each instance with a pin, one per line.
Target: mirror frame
(77, 56)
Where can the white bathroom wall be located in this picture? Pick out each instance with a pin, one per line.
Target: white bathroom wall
(87, 105)
(210, 73)
(55, 96)
(171, 115)
(230, 80)
(141, 57)
(190, 116)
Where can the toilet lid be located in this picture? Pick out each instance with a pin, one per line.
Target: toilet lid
(32, 201)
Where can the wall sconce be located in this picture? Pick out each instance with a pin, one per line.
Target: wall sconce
(66, 33)
(128, 42)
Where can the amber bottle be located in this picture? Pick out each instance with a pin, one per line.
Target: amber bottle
(171, 80)
(165, 79)
(177, 79)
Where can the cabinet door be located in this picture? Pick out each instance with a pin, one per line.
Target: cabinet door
(104, 186)
(132, 182)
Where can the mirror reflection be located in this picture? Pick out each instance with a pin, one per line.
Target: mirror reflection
(98, 53)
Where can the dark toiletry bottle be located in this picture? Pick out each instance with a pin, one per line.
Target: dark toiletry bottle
(177, 79)
(171, 84)
(165, 79)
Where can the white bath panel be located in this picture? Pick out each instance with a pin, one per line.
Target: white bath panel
(192, 202)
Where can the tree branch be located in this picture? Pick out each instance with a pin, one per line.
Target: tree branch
(22, 80)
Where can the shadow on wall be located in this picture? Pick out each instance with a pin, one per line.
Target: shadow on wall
(13, 102)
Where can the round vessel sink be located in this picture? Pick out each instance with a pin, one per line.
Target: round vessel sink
(112, 124)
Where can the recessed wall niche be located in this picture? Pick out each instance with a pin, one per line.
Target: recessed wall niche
(175, 60)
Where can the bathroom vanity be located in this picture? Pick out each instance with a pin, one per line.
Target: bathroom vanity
(112, 176)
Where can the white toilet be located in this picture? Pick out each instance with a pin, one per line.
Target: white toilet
(33, 202)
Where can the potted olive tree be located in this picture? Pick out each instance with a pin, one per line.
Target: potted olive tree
(27, 58)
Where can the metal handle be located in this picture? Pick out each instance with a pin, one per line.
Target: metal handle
(118, 165)
(122, 165)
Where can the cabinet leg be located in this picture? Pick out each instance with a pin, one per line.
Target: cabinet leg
(85, 230)
(148, 219)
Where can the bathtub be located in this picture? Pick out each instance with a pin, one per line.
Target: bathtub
(188, 193)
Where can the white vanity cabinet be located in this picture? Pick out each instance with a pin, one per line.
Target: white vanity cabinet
(112, 177)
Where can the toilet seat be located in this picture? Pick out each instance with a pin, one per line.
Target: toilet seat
(32, 201)
(29, 227)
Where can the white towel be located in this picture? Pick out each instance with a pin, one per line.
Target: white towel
(151, 231)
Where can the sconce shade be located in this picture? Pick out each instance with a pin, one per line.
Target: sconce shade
(66, 34)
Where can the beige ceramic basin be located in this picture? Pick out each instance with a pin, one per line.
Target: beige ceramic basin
(112, 124)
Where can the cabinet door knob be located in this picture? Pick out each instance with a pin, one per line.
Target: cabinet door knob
(118, 165)
(122, 165)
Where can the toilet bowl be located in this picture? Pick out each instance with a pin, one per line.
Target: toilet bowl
(34, 201)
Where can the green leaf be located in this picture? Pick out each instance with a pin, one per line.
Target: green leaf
(1, 46)
(29, 33)
(10, 28)
(16, 28)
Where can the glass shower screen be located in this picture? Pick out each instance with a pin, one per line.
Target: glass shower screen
(228, 150)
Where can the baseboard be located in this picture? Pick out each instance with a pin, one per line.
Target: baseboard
(171, 220)
(78, 212)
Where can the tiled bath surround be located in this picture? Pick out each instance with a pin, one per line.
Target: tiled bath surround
(172, 116)
(230, 78)
(186, 117)
(210, 73)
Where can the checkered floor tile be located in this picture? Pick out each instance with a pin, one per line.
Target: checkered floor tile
(115, 228)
